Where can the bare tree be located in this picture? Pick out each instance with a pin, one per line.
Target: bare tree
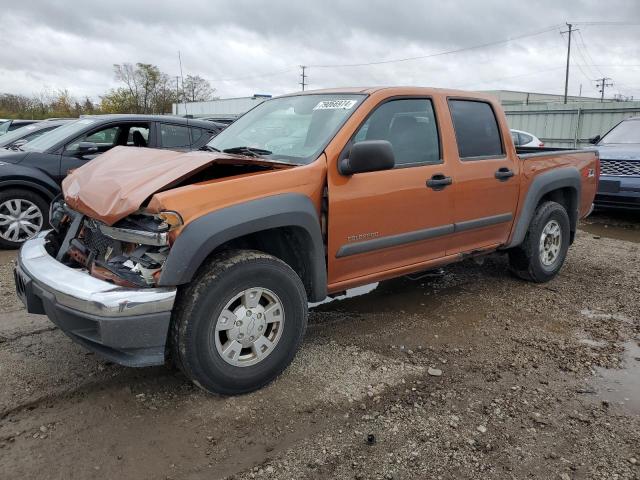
(197, 89)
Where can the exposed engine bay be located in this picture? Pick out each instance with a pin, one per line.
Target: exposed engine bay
(130, 253)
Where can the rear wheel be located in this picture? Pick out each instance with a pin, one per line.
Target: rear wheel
(544, 249)
(240, 322)
(23, 214)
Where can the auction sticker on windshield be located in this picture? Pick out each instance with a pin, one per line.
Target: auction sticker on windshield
(335, 104)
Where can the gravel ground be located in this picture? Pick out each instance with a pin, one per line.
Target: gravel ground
(466, 374)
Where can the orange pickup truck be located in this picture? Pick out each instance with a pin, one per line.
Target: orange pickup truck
(211, 257)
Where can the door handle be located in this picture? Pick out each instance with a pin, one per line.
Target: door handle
(439, 181)
(504, 173)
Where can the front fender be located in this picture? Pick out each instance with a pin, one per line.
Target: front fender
(202, 236)
(13, 175)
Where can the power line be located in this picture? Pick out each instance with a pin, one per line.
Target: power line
(537, 72)
(447, 52)
(586, 51)
(261, 75)
(606, 23)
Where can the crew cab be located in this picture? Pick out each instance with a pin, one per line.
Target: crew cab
(31, 173)
(210, 258)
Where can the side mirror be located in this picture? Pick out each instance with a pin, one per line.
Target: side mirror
(594, 140)
(86, 148)
(368, 156)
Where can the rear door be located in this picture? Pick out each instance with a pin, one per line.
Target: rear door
(387, 220)
(486, 190)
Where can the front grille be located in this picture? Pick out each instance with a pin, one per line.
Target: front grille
(95, 240)
(620, 168)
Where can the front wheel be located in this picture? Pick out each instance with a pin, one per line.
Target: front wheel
(23, 214)
(240, 322)
(544, 249)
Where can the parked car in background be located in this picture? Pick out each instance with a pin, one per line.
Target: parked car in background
(20, 136)
(9, 125)
(525, 139)
(226, 121)
(619, 148)
(30, 174)
(215, 255)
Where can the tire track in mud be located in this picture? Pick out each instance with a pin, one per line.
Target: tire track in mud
(84, 389)
(8, 339)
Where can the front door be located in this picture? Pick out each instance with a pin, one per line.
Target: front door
(386, 220)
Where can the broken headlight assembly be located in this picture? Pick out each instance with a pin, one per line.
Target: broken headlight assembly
(129, 253)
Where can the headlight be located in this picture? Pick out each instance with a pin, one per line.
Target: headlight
(171, 218)
(136, 236)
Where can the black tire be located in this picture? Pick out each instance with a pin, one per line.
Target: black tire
(526, 260)
(199, 305)
(29, 196)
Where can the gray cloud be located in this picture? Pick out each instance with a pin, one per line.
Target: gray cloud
(73, 44)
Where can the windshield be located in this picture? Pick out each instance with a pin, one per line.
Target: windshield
(627, 131)
(54, 137)
(288, 129)
(18, 133)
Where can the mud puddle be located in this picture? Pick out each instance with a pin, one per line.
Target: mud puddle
(619, 225)
(628, 234)
(621, 387)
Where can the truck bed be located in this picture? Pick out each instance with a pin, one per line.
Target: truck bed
(528, 151)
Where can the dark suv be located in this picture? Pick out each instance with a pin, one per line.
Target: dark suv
(30, 175)
(619, 185)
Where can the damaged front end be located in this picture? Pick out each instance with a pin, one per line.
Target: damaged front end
(129, 253)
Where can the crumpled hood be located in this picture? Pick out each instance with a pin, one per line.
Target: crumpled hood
(119, 181)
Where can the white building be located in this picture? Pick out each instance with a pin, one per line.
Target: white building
(223, 108)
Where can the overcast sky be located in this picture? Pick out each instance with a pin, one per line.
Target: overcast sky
(244, 47)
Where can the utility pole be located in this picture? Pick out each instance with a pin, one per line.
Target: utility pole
(177, 94)
(601, 83)
(304, 77)
(566, 78)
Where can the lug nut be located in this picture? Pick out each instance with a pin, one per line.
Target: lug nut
(238, 323)
(251, 338)
(240, 335)
(248, 313)
(259, 315)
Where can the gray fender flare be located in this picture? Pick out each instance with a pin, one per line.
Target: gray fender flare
(567, 177)
(203, 235)
(50, 190)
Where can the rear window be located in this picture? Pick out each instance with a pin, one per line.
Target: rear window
(476, 127)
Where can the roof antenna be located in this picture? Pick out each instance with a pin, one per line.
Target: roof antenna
(186, 114)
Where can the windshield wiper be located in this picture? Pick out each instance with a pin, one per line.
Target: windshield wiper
(249, 151)
(207, 148)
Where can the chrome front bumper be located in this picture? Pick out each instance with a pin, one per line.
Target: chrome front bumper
(78, 290)
(126, 325)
